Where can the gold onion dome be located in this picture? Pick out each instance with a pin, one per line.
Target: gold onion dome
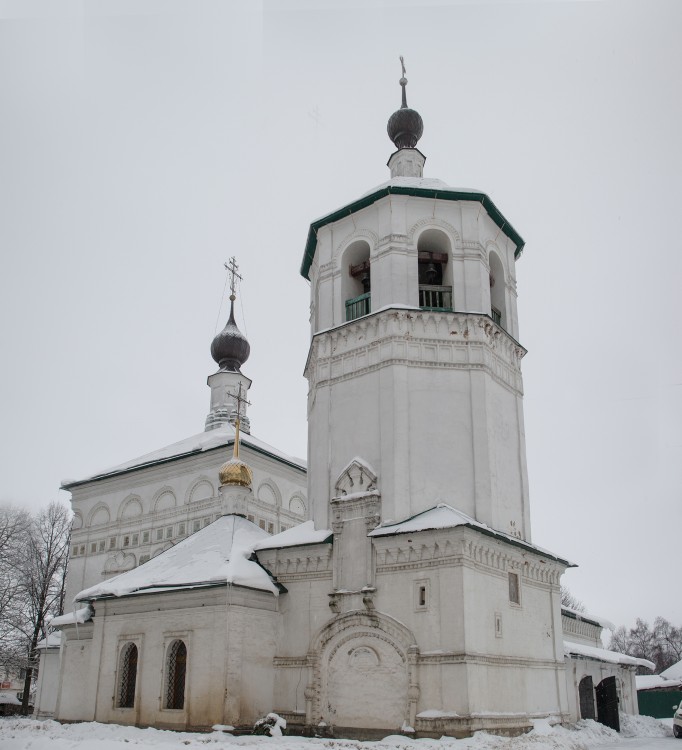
(236, 473)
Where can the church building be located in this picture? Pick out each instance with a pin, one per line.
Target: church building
(394, 588)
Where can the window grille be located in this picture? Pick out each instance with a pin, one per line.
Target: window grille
(112, 542)
(175, 675)
(81, 551)
(159, 535)
(128, 676)
(496, 315)
(145, 537)
(181, 529)
(136, 539)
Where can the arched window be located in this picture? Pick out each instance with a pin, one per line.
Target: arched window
(435, 274)
(357, 280)
(127, 676)
(176, 668)
(497, 300)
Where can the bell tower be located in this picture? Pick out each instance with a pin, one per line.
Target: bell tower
(414, 364)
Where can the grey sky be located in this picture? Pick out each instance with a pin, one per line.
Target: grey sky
(143, 143)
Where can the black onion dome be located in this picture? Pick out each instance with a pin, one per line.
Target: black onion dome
(229, 348)
(405, 126)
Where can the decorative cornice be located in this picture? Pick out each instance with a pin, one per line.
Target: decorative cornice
(419, 338)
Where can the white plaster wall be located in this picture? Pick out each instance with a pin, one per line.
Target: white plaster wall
(47, 686)
(78, 675)
(433, 402)
(230, 635)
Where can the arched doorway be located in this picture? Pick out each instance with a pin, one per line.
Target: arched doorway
(366, 683)
(362, 677)
(586, 695)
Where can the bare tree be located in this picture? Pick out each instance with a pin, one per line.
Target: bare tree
(41, 584)
(14, 527)
(661, 644)
(570, 601)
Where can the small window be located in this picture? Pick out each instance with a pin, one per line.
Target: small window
(196, 526)
(169, 532)
(283, 527)
(93, 548)
(159, 535)
(250, 518)
(81, 550)
(261, 523)
(498, 625)
(136, 540)
(207, 521)
(126, 541)
(514, 590)
(102, 545)
(176, 669)
(74, 551)
(145, 537)
(421, 594)
(271, 528)
(127, 676)
(112, 542)
(181, 529)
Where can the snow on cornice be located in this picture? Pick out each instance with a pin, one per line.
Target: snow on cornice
(603, 654)
(444, 516)
(219, 437)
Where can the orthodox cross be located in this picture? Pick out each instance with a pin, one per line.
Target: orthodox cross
(232, 268)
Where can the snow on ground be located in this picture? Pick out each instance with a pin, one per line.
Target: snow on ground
(637, 733)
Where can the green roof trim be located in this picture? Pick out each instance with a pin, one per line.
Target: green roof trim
(440, 194)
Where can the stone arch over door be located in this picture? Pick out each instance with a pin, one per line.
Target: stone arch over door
(363, 673)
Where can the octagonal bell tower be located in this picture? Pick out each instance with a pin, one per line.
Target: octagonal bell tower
(414, 365)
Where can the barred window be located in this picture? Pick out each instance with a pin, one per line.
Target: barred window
(175, 675)
(127, 676)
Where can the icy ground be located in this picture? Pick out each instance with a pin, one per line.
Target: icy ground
(637, 733)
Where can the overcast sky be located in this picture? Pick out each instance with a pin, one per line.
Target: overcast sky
(143, 143)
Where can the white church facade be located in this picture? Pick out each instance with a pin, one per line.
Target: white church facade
(412, 598)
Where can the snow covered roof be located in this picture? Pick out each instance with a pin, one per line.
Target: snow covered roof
(603, 654)
(220, 437)
(219, 553)
(415, 186)
(674, 672)
(655, 681)
(444, 517)
(53, 640)
(304, 533)
(78, 616)
(594, 619)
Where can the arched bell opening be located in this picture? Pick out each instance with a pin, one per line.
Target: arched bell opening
(357, 280)
(435, 272)
(498, 306)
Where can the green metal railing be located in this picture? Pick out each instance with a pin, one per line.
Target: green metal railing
(358, 306)
(435, 297)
